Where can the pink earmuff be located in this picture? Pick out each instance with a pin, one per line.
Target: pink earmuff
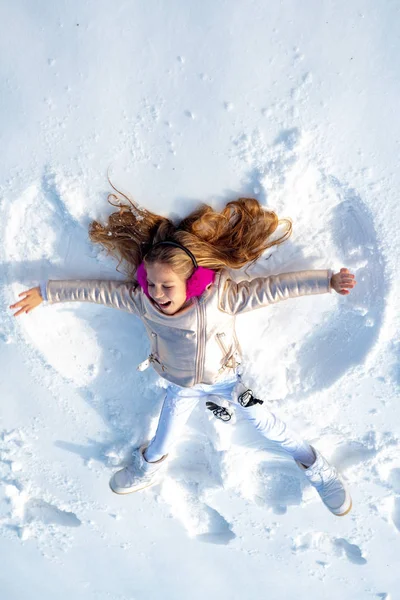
(195, 285)
(198, 281)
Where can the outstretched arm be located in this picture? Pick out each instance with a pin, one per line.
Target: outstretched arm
(236, 298)
(115, 294)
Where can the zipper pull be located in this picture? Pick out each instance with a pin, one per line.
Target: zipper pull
(144, 365)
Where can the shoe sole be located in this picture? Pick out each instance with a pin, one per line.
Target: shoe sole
(132, 491)
(346, 512)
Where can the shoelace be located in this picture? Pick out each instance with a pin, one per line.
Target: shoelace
(329, 481)
(135, 465)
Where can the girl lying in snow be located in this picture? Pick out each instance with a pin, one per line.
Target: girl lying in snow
(179, 286)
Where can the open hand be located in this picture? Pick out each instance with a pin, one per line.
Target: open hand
(31, 299)
(343, 282)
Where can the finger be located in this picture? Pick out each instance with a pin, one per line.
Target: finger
(19, 312)
(344, 270)
(18, 304)
(27, 293)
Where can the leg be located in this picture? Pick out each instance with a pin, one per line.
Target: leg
(278, 432)
(326, 480)
(148, 463)
(176, 410)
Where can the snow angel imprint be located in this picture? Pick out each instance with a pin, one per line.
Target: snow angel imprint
(178, 284)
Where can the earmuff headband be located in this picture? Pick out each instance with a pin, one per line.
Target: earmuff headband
(176, 245)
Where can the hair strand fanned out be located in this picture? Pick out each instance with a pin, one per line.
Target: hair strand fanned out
(233, 237)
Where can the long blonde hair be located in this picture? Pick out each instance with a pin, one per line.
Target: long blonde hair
(233, 237)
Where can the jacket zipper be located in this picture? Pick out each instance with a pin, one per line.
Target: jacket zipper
(155, 345)
(201, 334)
(153, 357)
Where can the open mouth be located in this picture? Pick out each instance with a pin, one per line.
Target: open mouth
(164, 304)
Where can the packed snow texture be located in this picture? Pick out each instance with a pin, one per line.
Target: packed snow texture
(184, 102)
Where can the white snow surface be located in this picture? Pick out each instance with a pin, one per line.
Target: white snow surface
(296, 104)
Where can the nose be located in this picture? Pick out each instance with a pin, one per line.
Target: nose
(158, 294)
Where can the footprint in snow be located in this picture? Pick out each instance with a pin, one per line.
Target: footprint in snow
(352, 453)
(352, 551)
(328, 546)
(278, 486)
(199, 519)
(49, 514)
(27, 515)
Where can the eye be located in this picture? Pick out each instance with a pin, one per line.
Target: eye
(150, 284)
(168, 287)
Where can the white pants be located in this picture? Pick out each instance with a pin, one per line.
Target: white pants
(179, 403)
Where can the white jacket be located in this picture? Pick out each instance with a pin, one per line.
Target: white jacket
(199, 343)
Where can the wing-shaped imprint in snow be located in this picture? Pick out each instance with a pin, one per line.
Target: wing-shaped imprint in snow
(394, 480)
(347, 338)
(396, 513)
(44, 252)
(55, 245)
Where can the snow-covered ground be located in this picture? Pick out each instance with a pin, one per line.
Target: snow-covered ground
(295, 103)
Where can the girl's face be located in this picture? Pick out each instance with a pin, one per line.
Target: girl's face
(166, 288)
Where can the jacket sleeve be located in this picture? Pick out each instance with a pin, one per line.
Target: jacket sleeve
(116, 294)
(235, 298)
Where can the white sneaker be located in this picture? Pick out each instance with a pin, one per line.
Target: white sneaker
(138, 475)
(329, 485)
